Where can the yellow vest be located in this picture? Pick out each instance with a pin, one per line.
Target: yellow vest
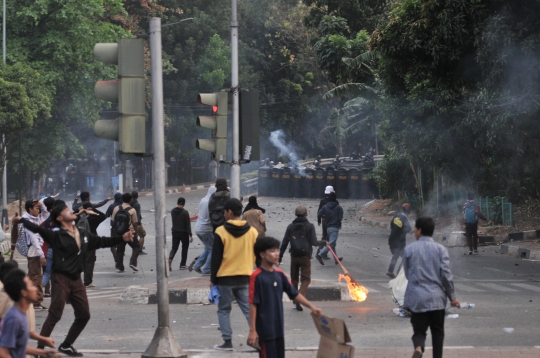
(238, 255)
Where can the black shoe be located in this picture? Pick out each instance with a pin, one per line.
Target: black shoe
(69, 351)
(319, 259)
(476, 252)
(326, 258)
(190, 267)
(142, 253)
(134, 268)
(197, 270)
(120, 270)
(340, 260)
(470, 252)
(226, 346)
(182, 267)
(390, 274)
(299, 307)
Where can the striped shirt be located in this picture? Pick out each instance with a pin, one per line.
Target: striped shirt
(427, 268)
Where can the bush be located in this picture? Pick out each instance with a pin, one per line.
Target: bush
(392, 175)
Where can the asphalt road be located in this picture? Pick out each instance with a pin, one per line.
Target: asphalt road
(505, 291)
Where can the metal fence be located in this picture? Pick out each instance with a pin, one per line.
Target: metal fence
(249, 186)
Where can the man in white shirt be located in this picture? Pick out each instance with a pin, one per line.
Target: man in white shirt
(37, 214)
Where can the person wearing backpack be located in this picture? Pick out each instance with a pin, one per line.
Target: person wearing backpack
(471, 213)
(217, 202)
(124, 219)
(302, 236)
(181, 232)
(32, 243)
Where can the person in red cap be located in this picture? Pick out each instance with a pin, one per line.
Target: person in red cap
(399, 228)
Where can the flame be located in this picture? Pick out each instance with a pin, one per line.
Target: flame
(358, 293)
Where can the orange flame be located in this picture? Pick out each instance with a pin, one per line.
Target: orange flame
(358, 293)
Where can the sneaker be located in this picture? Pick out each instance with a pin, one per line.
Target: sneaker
(142, 253)
(134, 268)
(299, 307)
(69, 351)
(340, 260)
(190, 268)
(319, 259)
(182, 267)
(417, 354)
(226, 346)
(197, 270)
(40, 308)
(90, 285)
(325, 258)
(476, 252)
(470, 252)
(390, 274)
(120, 270)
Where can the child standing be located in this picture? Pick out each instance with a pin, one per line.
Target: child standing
(266, 287)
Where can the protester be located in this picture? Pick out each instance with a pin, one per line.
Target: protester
(266, 287)
(141, 232)
(333, 214)
(217, 202)
(204, 231)
(69, 245)
(255, 216)
(232, 264)
(124, 219)
(471, 213)
(85, 198)
(181, 232)
(302, 236)
(94, 218)
(108, 213)
(399, 228)
(327, 191)
(35, 257)
(15, 331)
(6, 303)
(427, 268)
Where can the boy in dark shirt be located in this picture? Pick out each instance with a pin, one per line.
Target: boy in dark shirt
(181, 232)
(266, 287)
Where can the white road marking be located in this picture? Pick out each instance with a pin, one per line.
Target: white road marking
(372, 290)
(462, 287)
(527, 287)
(497, 287)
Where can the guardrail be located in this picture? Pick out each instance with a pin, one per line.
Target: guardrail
(249, 186)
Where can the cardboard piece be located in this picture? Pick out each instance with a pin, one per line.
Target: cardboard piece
(334, 338)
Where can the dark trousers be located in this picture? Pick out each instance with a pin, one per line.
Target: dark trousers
(435, 321)
(324, 235)
(35, 275)
(274, 348)
(89, 262)
(113, 248)
(178, 237)
(121, 249)
(471, 231)
(397, 252)
(301, 268)
(64, 288)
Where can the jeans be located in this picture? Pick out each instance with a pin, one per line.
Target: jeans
(48, 269)
(435, 321)
(397, 252)
(228, 293)
(205, 258)
(332, 238)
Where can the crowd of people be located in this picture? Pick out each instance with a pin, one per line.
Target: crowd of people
(242, 263)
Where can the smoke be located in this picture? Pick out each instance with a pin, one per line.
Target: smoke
(289, 150)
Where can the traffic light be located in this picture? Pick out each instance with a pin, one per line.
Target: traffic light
(250, 124)
(128, 91)
(217, 123)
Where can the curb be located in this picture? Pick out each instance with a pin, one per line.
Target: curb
(520, 252)
(140, 295)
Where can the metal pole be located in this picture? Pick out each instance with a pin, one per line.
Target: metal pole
(235, 169)
(163, 344)
(20, 178)
(4, 175)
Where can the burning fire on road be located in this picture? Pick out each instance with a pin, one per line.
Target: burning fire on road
(357, 292)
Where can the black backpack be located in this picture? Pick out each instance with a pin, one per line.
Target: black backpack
(83, 224)
(122, 220)
(299, 241)
(217, 216)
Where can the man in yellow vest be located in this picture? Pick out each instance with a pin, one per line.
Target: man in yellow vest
(232, 264)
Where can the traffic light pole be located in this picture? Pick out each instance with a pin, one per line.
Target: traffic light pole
(235, 168)
(163, 344)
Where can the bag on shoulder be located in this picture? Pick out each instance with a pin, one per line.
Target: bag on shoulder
(22, 243)
(299, 241)
(122, 220)
(83, 224)
(469, 214)
(217, 216)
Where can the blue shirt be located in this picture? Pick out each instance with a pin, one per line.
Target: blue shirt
(427, 268)
(266, 291)
(15, 332)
